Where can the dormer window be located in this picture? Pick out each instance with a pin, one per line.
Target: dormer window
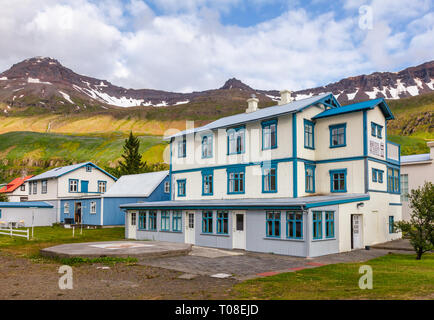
(88, 168)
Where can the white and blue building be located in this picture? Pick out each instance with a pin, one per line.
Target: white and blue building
(303, 178)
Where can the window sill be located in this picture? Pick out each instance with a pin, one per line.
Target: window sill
(310, 148)
(215, 234)
(339, 146)
(323, 239)
(283, 239)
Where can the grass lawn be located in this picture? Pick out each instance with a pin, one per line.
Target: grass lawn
(50, 236)
(395, 276)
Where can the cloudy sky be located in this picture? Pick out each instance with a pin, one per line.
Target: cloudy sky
(187, 45)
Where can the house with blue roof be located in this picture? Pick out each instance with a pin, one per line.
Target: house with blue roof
(303, 178)
(27, 214)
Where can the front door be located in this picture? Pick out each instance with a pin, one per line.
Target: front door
(356, 231)
(189, 228)
(132, 225)
(77, 213)
(84, 186)
(239, 230)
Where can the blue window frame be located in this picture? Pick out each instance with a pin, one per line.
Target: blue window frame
(165, 220)
(338, 180)
(236, 180)
(269, 178)
(73, 185)
(329, 224)
(317, 225)
(207, 146)
(182, 147)
(222, 222)
(142, 219)
(376, 130)
(374, 175)
(377, 175)
(236, 140)
(309, 134)
(269, 134)
(182, 185)
(380, 176)
(102, 186)
(309, 178)
(294, 225)
(88, 168)
(177, 221)
(338, 136)
(273, 224)
(153, 220)
(207, 217)
(207, 182)
(393, 180)
(391, 224)
(0, 213)
(44, 186)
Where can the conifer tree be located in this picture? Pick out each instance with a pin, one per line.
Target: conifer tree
(132, 160)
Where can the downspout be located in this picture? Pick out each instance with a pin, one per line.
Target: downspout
(294, 155)
(365, 150)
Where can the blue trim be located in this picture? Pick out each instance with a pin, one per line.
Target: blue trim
(206, 216)
(26, 204)
(269, 165)
(206, 174)
(180, 182)
(391, 224)
(152, 216)
(208, 136)
(265, 124)
(221, 221)
(399, 153)
(88, 168)
(395, 180)
(177, 221)
(317, 221)
(165, 215)
(312, 125)
(182, 147)
(236, 170)
(294, 221)
(274, 221)
(243, 144)
(69, 185)
(306, 167)
(337, 127)
(329, 225)
(105, 182)
(294, 155)
(338, 171)
(395, 204)
(84, 164)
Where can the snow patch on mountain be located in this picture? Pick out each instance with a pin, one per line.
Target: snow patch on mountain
(34, 80)
(66, 96)
(4, 78)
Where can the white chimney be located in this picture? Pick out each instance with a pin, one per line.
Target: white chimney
(252, 104)
(285, 97)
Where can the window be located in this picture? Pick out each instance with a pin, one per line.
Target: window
(376, 130)
(236, 180)
(404, 187)
(338, 135)
(294, 225)
(165, 220)
(142, 219)
(44, 186)
(153, 220)
(317, 225)
(133, 218)
(330, 224)
(309, 141)
(88, 168)
(181, 187)
(207, 182)
(73, 185)
(23, 187)
(207, 221)
(0, 213)
(66, 208)
(177, 221)
(93, 207)
(269, 179)
(273, 224)
(377, 175)
(236, 140)
(166, 187)
(391, 224)
(102, 186)
(393, 180)
(338, 180)
(35, 187)
(309, 178)
(269, 134)
(182, 148)
(206, 146)
(380, 176)
(222, 222)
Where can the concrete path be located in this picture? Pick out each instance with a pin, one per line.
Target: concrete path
(400, 244)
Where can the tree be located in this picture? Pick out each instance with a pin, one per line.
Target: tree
(132, 163)
(420, 228)
(3, 198)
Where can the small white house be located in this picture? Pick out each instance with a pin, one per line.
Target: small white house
(16, 190)
(27, 214)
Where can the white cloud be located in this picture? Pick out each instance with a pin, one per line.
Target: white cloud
(189, 49)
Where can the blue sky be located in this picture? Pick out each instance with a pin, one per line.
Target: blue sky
(198, 44)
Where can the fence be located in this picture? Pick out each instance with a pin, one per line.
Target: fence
(15, 232)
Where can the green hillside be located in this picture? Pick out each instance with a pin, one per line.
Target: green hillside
(32, 152)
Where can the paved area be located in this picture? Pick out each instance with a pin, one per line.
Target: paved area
(246, 265)
(401, 244)
(118, 249)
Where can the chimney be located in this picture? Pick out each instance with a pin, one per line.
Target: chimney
(285, 97)
(252, 104)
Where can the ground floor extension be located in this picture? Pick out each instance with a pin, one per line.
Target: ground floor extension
(304, 227)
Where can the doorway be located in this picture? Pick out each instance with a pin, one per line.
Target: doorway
(356, 231)
(132, 225)
(189, 228)
(239, 230)
(77, 212)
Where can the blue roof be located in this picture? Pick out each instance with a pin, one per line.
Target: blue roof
(26, 204)
(369, 104)
(60, 171)
(260, 114)
(416, 158)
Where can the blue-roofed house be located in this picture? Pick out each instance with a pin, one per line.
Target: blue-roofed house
(27, 214)
(416, 169)
(303, 178)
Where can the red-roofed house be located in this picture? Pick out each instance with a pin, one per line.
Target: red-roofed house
(16, 190)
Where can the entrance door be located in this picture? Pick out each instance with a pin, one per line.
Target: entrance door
(189, 228)
(356, 231)
(84, 186)
(239, 230)
(77, 213)
(132, 225)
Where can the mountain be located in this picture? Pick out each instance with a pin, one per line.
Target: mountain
(44, 83)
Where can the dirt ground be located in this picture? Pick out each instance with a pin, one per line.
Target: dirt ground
(22, 278)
